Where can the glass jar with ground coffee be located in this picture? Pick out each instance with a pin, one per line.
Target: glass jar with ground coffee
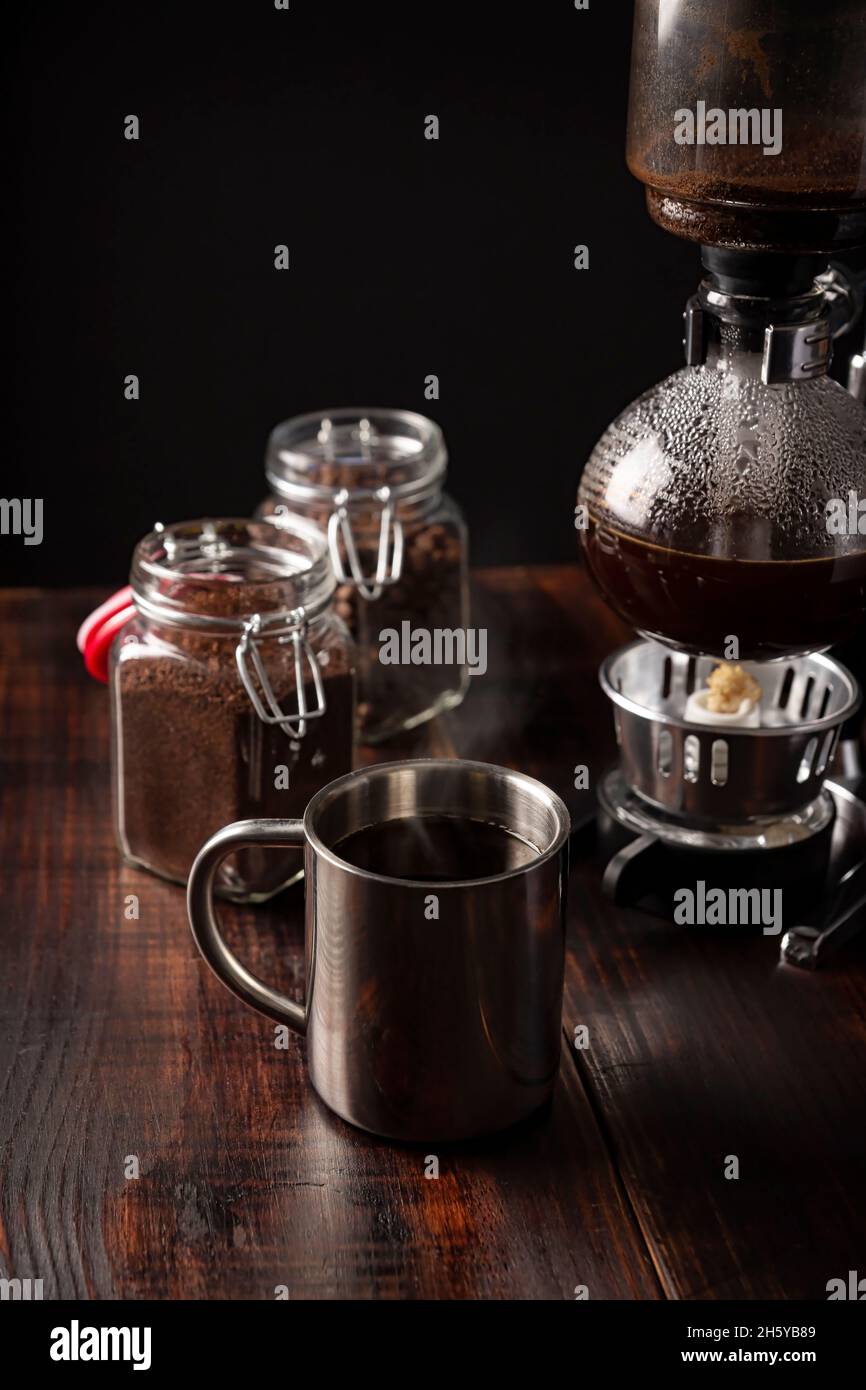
(232, 694)
(372, 481)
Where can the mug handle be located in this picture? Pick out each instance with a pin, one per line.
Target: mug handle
(205, 927)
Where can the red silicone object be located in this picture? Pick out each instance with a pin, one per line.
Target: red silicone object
(122, 599)
(99, 642)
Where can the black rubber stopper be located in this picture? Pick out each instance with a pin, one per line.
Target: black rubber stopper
(762, 273)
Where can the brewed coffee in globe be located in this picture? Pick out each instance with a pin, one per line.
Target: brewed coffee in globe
(713, 502)
(774, 608)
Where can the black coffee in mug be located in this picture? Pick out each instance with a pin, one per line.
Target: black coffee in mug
(435, 849)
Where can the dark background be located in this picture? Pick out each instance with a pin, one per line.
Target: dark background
(408, 256)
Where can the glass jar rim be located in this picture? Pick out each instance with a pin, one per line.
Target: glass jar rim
(354, 438)
(177, 569)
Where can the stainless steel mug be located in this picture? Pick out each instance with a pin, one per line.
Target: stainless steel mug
(418, 1026)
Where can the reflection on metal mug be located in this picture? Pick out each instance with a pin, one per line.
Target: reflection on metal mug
(435, 927)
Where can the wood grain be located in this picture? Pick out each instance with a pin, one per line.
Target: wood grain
(701, 1045)
(115, 1042)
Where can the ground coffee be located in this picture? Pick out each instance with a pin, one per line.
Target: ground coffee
(191, 753)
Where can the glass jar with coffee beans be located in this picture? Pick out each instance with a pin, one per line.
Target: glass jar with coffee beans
(372, 481)
(232, 692)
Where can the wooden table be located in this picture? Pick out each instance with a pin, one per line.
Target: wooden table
(115, 1041)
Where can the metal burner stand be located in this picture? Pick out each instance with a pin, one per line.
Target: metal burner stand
(699, 788)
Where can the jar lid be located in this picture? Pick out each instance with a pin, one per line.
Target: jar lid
(219, 574)
(355, 453)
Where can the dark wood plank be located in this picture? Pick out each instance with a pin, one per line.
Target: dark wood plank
(701, 1045)
(116, 1041)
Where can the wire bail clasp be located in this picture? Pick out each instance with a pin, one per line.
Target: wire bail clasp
(247, 654)
(389, 560)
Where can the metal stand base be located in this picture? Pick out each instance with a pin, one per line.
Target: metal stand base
(760, 833)
(841, 910)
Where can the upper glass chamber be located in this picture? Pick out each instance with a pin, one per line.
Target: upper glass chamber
(747, 120)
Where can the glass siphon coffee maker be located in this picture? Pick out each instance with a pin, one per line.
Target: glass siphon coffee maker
(720, 513)
(718, 503)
